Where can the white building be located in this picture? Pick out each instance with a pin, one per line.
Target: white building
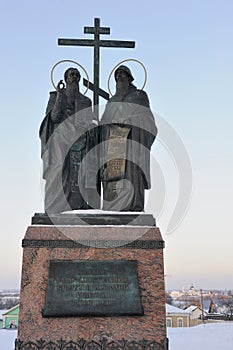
(176, 317)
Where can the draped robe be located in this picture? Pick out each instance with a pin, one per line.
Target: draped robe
(130, 116)
(64, 143)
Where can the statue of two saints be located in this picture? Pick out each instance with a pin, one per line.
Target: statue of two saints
(80, 153)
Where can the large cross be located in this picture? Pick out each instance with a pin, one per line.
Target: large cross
(97, 43)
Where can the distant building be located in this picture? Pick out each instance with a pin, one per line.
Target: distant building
(193, 292)
(196, 315)
(10, 317)
(175, 293)
(1, 322)
(176, 317)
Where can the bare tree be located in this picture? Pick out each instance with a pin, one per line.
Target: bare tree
(228, 304)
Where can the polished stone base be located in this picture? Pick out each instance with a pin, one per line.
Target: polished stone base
(92, 218)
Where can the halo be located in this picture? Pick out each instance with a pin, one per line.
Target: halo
(118, 64)
(78, 64)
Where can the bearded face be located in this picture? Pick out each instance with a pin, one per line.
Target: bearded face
(73, 77)
(121, 76)
(122, 82)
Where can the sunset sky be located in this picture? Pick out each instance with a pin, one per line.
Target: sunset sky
(187, 49)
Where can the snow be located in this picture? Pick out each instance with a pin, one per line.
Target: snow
(170, 309)
(103, 212)
(191, 308)
(214, 336)
(7, 339)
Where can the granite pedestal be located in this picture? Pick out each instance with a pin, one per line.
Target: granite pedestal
(44, 244)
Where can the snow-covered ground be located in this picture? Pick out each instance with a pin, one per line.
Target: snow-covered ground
(215, 336)
(7, 339)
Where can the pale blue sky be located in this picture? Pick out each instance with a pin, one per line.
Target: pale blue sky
(187, 48)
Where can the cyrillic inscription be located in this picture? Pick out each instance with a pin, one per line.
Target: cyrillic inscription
(92, 288)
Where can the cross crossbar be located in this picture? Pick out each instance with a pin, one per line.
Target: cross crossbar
(97, 43)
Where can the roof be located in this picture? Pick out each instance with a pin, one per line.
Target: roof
(191, 308)
(170, 309)
(14, 311)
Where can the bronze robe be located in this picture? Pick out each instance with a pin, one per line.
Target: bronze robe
(64, 143)
(129, 115)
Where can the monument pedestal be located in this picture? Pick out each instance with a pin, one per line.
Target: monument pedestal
(98, 247)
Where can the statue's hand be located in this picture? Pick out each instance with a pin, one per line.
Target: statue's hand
(61, 86)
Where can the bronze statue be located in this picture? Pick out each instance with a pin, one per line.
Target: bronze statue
(68, 132)
(128, 131)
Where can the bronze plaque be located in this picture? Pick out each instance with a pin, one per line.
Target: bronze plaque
(92, 288)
